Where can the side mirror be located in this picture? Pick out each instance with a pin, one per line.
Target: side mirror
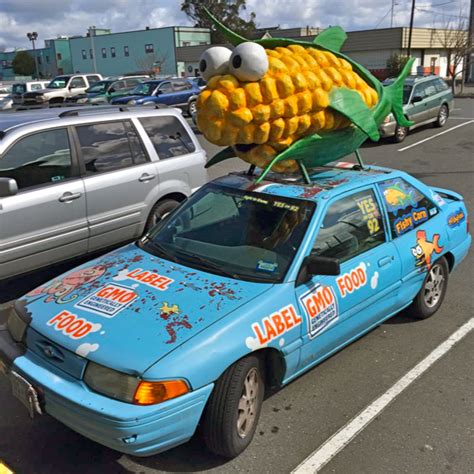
(316, 265)
(70, 88)
(416, 99)
(8, 187)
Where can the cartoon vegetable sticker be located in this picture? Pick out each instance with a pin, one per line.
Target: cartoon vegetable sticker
(281, 103)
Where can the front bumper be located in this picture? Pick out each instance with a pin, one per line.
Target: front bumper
(131, 429)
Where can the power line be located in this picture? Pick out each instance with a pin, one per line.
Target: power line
(383, 18)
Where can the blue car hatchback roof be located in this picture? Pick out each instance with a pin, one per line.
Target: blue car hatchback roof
(324, 181)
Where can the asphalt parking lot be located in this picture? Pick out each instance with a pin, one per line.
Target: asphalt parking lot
(428, 428)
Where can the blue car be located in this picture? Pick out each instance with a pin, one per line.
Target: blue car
(242, 288)
(171, 92)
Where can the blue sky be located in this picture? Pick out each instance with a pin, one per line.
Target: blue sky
(51, 18)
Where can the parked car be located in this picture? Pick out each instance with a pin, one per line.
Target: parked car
(242, 288)
(6, 102)
(73, 181)
(426, 99)
(21, 88)
(61, 88)
(171, 92)
(199, 81)
(103, 92)
(5, 90)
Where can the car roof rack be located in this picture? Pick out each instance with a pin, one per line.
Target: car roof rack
(75, 112)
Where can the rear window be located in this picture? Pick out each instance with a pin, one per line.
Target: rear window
(18, 88)
(407, 207)
(168, 135)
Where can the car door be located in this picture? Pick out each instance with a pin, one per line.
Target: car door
(117, 89)
(339, 308)
(77, 85)
(432, 100)
(120, 181)
(418, 230)
(46, 221)
(417, 110)
(182, 92)
(165, 94)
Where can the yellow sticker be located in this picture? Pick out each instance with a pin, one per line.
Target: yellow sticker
(4, 469)
(369, 211)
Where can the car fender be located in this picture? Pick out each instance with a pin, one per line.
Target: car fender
(202, 359)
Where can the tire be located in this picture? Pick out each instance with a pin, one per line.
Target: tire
(226, 429)
(400, 134)
(430, 298)
(160, 210)
(192, 108)
(443, 115)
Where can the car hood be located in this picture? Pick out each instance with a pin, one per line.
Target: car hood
(128, 309)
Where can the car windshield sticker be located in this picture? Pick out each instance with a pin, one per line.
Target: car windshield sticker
(370, 213)
(266, 266)
(108, 300)
(320, 306)
(397, 195)
(154, 280)
(273, 326)
(437, 198)
(249, 197)
(456, 218)
(285, 205)
(352, 280)
(72, 326)
(424, 249)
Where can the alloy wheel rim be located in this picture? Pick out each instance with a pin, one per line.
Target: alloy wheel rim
(248, 403)
(434, 286)
(401, 131)
(443, 115)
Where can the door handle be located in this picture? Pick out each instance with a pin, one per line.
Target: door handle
(146, 177)
(385, 261)
(68, 197)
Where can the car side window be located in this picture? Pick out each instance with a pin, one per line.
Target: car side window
(352, 225)
(181, 86)
(78, 82)
(430, 89)
(93, 79)
(132, 82)
(35, 87)
(406, 206)
(109, 146)
(440, 85)
(168, 136)
(41, 158)
(165, 87)
(419, 91)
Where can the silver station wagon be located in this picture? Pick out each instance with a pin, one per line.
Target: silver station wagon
(76, 181)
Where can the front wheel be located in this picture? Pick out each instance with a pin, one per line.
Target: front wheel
(400, 134)
(160, 209)
(233, 410)
(443, 115)
(433, 291)
(192, 109)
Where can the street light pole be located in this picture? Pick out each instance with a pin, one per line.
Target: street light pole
(33, 37)
(91, 36)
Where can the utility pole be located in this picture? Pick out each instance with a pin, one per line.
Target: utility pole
(91, 31)
(410, 32)
(391, 16)
(33, 37)
(469, 61)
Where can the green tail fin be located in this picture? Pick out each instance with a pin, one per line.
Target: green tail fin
(229, 35)
(395, 95)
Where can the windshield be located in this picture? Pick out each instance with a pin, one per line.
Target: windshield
(100, 86)
(406, 93)
(19, 88)
(244, 235)
(145, 88)
(58, 83)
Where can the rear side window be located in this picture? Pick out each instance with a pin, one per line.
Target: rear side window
(181, 85)
(93, 79)
(109, 146)
(168, 136)
(78, 82)
(352, 225)
(42, 158)
(407, 207)
(440, 85)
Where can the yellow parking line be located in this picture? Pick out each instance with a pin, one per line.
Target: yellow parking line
(4, 469)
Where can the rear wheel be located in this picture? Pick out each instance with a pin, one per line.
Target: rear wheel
(400, 134)
(443, 115)
(160, 210)
(192, 108)
(433, 291)
(233, 410)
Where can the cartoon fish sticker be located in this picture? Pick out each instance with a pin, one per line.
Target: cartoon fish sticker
(424, 249)
(281, 104)
(397, 198)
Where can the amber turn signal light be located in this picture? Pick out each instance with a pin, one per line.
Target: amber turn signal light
(151, 393)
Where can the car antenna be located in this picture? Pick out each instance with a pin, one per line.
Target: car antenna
(360, 166)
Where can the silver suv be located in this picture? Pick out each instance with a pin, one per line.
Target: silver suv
(76, 181)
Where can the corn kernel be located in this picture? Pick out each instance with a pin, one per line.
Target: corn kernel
(238, 99)
(277, 129)
(285, 86)
(261, 113)
(269, 89)
(254, 94)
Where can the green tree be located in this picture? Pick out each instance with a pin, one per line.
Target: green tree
(395, 64)
(23, 64)
(225, 11)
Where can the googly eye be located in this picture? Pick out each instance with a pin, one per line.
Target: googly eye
(214, 61)
(413, 251)
(249, 62)
(419, 250)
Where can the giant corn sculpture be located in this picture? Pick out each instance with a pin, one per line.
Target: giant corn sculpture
(280, 103)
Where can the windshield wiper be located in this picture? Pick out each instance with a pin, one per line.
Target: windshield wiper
(209, 263)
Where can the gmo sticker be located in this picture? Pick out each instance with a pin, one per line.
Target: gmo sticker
(108, 300)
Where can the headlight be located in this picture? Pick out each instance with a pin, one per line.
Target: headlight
(132, 102)
(16, 326)
(130, 389)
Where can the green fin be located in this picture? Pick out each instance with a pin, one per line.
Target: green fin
(224, 154)
(395, 95)
(230, 36)
(332, 38)
(349, 103)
